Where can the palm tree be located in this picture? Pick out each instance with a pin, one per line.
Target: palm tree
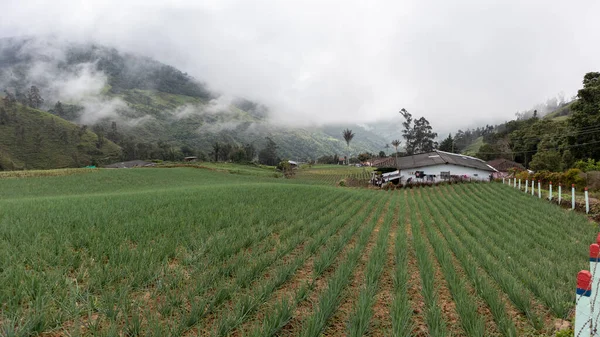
(395, 144)
(348, 135)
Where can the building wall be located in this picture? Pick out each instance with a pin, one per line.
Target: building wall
(436, 170)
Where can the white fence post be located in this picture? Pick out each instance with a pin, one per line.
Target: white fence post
(550, 192)
(519, 184)
(583, 317)
(526, 185)
(502, 180)
(515, 182)
(532, 187)
(573, 196)
(539, 189)
(587, 202)
(559, 193)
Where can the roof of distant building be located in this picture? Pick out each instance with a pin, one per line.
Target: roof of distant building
(435, 157)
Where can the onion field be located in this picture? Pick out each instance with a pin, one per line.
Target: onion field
(197, 252)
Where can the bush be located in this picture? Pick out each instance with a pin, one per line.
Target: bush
(574, 176)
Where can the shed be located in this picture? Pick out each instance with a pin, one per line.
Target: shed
(191, 158)
(504, 167)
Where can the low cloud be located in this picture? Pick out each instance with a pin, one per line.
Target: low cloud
(315, 62)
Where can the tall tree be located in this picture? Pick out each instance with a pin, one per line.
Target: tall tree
(216, 149)
(395, 144)
(58, 109)
(447, 144)
(9, 100)
(348, 135)
(585, 138)
(418, 134)
(268, 155)
(408, 132)
(34, 99)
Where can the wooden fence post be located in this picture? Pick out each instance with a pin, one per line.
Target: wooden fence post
(532, 187)
(583, 304)
(550, 192)
(573, 196)
(502, 180)
(519, 184)
(526, 185)
(539, 189)
(515, 182)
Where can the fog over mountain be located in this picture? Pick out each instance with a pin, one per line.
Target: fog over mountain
(456, 62)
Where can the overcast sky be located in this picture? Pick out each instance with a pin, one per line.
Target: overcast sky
(457, 62)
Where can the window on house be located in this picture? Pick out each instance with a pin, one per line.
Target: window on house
(445, 175)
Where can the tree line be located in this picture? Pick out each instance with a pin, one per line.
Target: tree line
(543, 143)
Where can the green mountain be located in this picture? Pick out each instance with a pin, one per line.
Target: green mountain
(152, 110)
(34, 139)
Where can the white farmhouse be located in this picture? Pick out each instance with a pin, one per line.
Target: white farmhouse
(439, 166)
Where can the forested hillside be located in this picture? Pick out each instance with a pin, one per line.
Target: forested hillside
(152, 110)
(34, 139)
(554, 141)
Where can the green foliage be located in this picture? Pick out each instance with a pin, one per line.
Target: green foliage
(286, 168)
(418, 134)
(588, 165)
(546, 160)
(33, 139)
(212, 251)
(448, 144)
(586, 118)
(268, 155)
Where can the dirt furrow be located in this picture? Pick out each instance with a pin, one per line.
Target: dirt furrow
(306, 307)
(339, 321)
(381, 323)
(417, 302)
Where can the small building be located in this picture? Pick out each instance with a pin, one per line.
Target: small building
(439, 166)
(292, 163)
(505, 167)
(190, 159)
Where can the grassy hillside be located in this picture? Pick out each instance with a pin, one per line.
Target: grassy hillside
(34, 139)
(157, 108)
(184, 120)
(473, 148)
(561, 113)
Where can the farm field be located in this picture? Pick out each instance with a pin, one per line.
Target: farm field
(198, 252)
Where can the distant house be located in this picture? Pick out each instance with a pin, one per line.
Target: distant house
(504, 167)
(191, 158)
(293, 163)
(438, 166)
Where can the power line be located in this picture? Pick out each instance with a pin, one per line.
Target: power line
(545, 150)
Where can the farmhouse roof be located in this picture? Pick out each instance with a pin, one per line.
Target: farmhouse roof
(436, 157)
(503, 165)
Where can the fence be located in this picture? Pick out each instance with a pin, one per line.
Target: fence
(513, 183)
(587, 301)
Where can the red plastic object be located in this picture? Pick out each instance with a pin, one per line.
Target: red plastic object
(594, 250)
(584, 280)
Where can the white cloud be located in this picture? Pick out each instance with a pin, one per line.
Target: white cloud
(338, 61)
